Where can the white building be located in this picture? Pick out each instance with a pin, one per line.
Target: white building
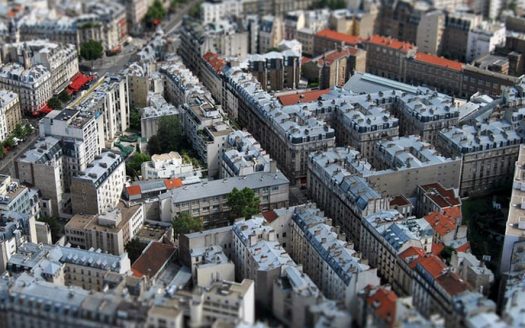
(33, 85)
(215, 11)
(110, 100)
(209, 264)
(169, 165)
(484, 38)
(17, 229)
(243, 155)
(15, 197)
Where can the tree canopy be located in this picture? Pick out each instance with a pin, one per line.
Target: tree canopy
(134, 119)
(54, 103)
(185, 223)
(91, 50)
(54, 226)
(134, 248)
(243, 203)
(134, 163)
(155, 14)
(169, 137)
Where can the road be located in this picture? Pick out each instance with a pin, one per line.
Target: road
(115, 64)
(7, 164)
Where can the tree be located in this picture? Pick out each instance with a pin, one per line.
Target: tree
(19, 131)
(54, 226)
(91, 50)
(134, 248)
(155, 14)
(2, 151)
(153, 146)
(64, 97)
(134, 119)
(446, 253)
(10, 142)
(135, 162)
(185, 223)
(54, 103)
(243, 203)
(170, 135)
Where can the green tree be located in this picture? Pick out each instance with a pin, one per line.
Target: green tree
(135, 162)
(446, 253)
(64, 97)
(10, 142)
(185, 223)
(2, 151)
(155, 14)
(134, 248)
(243, 203)
(195, 11)
(54, 103)
(54, 226)
(170, 135)
(134, 119)
(19, 131)
(153, 146)
(91, 50)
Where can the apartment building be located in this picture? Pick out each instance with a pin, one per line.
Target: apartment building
(11, 115)
(42, 166)
(67, 265)
(208, 200)
(169, 165)
(289, 137)
(110, 100)
(207, 131)
(61, 60)
(430, 32)
(15, 197)
(330, 262)
(406, 162)
(455, 35)
(293, 295)
(328, 40)
(209, 264)
(243, 155)
(425, 114)
(386, 57)
(258, 256)
(276, 70)
(135, 12)
(271, 33)
(33, 85)
(386, 235)
(17, 229)
(151, 115)
(434, 197)
(81, 135)
(362, 127)
(109, 231)
(334, 67)
(221, 237)
(103, 21)
(484, 38)
(486, 82)
(341, 194)
(487, 153)
(511, 260)
(97, 189)
(211, 69)
(216, 11)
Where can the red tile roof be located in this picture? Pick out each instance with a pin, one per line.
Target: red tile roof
(399, 201)
(390, 43)
(134, 190)
(270, 216)
(305, 60)
(437, 248)
(439, 61)
(303, 97)
(153, 259)
(411, 254)
(451, 283)
(172, 183)
(441, 196)
(340, 37)
(432, 264)
(445, 221)
(383, 301)
(464, 248)
(329, 57)
(215, 61)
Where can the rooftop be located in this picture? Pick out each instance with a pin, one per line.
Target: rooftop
(390, 43)
(301, 97)
(101, 168)
(339, 37)
(441, 196)
(439, 61)
(152, 259)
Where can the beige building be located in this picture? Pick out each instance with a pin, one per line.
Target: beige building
(42, 166)
(430, 32)
(110, 231)
(271, 33)
(487, 153)
(97, 189)
(10, 109)
(209, 264)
